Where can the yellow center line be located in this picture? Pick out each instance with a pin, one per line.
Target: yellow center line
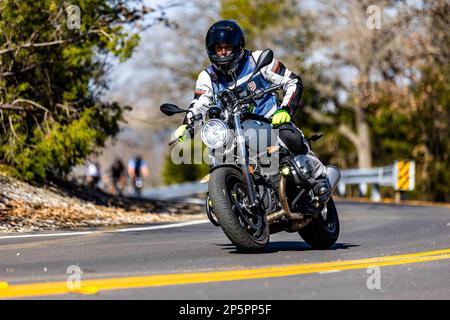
(95, 285)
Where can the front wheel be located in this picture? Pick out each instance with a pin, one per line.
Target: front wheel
(246, 230)
(323, 231)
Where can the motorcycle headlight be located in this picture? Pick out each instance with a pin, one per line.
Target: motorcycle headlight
(214, 133)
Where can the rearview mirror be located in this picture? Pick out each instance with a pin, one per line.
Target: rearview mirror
(170, 109)
(264, 59)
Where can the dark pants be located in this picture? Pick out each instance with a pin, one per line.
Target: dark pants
(293, 138)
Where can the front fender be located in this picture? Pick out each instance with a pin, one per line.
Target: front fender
(231, 165)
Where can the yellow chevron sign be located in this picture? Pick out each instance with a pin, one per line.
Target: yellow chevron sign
(404, 172)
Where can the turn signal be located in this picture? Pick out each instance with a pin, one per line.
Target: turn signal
(285, 171)
(205, 179)
(272, 149)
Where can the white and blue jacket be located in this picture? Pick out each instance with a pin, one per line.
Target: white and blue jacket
(211, 82)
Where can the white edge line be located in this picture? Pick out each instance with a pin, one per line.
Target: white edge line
(165, 226)
(66, 234)
(48, 235)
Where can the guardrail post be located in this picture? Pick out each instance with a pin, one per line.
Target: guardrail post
(375, 194)
(400, 195)
(362, 189)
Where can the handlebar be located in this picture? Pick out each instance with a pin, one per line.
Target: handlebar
(258, 94)
(254, 95)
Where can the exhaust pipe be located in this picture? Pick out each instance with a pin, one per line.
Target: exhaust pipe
(285, 211)
(275, 215)
(297, 222)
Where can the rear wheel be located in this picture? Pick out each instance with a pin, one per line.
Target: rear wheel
(246, 230)
(323, 231)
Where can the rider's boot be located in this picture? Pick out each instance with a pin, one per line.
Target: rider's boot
(312, 169)
(316, 173)
(322, 190)
(321, 184)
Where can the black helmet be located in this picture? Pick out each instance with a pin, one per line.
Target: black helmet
(225, 31)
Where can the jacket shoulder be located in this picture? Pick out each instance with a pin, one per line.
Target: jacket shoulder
(209, 73)
(204, 75)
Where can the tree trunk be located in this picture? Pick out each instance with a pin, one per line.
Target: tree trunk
(364, 147)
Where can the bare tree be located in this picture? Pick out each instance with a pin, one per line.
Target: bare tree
(166, 65)
(362, 50)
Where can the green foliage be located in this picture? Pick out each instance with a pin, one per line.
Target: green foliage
(178, 173)
(255, 16)
(392, 134)
(420, 129)
(433, 131)
(421, 134)
(65, 146)
(52, 78)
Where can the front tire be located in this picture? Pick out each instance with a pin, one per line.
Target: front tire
(210, 213)
(228, 192)
(323, 232)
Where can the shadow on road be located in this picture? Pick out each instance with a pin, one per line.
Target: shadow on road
(277, 246)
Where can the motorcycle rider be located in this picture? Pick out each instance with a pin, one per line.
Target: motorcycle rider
(231, 65)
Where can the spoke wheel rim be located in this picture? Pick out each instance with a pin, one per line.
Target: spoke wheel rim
(252, 224)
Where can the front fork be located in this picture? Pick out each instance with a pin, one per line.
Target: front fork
(244, 161)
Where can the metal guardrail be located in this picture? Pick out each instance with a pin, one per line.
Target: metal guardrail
(400, 176)
(175, 191)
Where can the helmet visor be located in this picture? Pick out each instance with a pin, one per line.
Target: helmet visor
(222, 36)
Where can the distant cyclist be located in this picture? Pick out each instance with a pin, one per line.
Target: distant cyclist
(137, 170)
(93, 175)
(118, 176)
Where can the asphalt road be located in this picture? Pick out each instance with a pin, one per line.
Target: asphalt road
(410, 247)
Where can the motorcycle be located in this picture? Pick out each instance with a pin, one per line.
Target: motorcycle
(249, 197)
